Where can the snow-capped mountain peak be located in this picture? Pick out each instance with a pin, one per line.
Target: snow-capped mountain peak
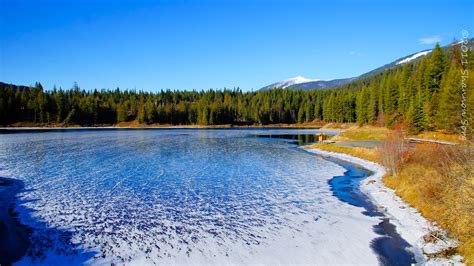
(300, 79)
(292, 81)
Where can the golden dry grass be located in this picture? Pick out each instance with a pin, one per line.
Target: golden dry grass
(364, 153)
(363, 133)
(339, 125)
(439, 181)
(438, 135)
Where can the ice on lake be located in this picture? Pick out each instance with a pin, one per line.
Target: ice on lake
(181, 197)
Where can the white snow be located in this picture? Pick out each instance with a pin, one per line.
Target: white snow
(413, 57)
(292, 81)
(410, 224)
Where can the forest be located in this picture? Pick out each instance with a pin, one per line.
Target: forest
(427, 94)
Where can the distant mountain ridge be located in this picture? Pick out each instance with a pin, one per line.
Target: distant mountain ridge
(13, 86)
(413, 57)
(307, 84)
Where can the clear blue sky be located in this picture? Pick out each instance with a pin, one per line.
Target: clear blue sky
(187, 45)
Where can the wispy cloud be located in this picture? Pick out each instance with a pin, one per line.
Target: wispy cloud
(430, 39)
(355, 53)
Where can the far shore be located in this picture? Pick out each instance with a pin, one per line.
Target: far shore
(134, 125)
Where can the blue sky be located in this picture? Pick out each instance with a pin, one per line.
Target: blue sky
(186, 45)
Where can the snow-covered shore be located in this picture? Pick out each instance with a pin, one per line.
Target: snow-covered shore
(410, 224)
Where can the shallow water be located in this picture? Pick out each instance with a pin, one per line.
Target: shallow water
(391, 249)
(300, 139)
(181, 196)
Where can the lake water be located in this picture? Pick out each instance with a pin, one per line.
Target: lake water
(182, 196)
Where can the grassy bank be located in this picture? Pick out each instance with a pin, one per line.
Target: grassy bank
(364, 153)
(436, 179)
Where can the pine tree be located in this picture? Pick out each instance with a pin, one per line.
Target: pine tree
(301, 113)
(150, 114)
(141, 117)
(362, 102)
(433, 77)
(121, 113)
(449, 115)
(436, 68)
(40, 103)
(372, 108)
(416, 116)
(308, 112)
(390, 96)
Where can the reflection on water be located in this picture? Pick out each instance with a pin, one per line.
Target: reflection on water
(299, 139)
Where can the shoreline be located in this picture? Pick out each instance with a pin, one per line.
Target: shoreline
(4, 130)
(390, 247)
(409, 223)
(14, 236)
(157, 126)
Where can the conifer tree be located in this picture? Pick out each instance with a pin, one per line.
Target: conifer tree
(121, 113)
(416, 116)
(372, 107)
(362, 103)
(449, 115)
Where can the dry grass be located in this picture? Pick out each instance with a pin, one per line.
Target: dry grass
(364, 153)
(438, 180)
(438, 135)
(339, 125)
(363, 133)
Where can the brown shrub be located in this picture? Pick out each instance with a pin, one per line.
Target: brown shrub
(438, 180)
(393, 151)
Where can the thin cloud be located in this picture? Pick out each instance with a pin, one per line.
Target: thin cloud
(430, 40)
(355, 53)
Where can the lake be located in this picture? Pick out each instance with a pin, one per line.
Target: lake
(182, 196)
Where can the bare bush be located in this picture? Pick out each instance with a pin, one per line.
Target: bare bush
(393, 151)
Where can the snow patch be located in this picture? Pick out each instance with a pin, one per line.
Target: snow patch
(293, 81)
(413, 57)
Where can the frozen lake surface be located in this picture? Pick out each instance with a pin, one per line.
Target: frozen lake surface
(181, 196)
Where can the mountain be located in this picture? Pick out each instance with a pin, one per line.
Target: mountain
(307, 84)
(415, 57)
(14, 87)
(399, 61)
(289, 83)
(322, 84)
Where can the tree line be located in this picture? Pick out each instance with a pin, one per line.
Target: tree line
(425, 94)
